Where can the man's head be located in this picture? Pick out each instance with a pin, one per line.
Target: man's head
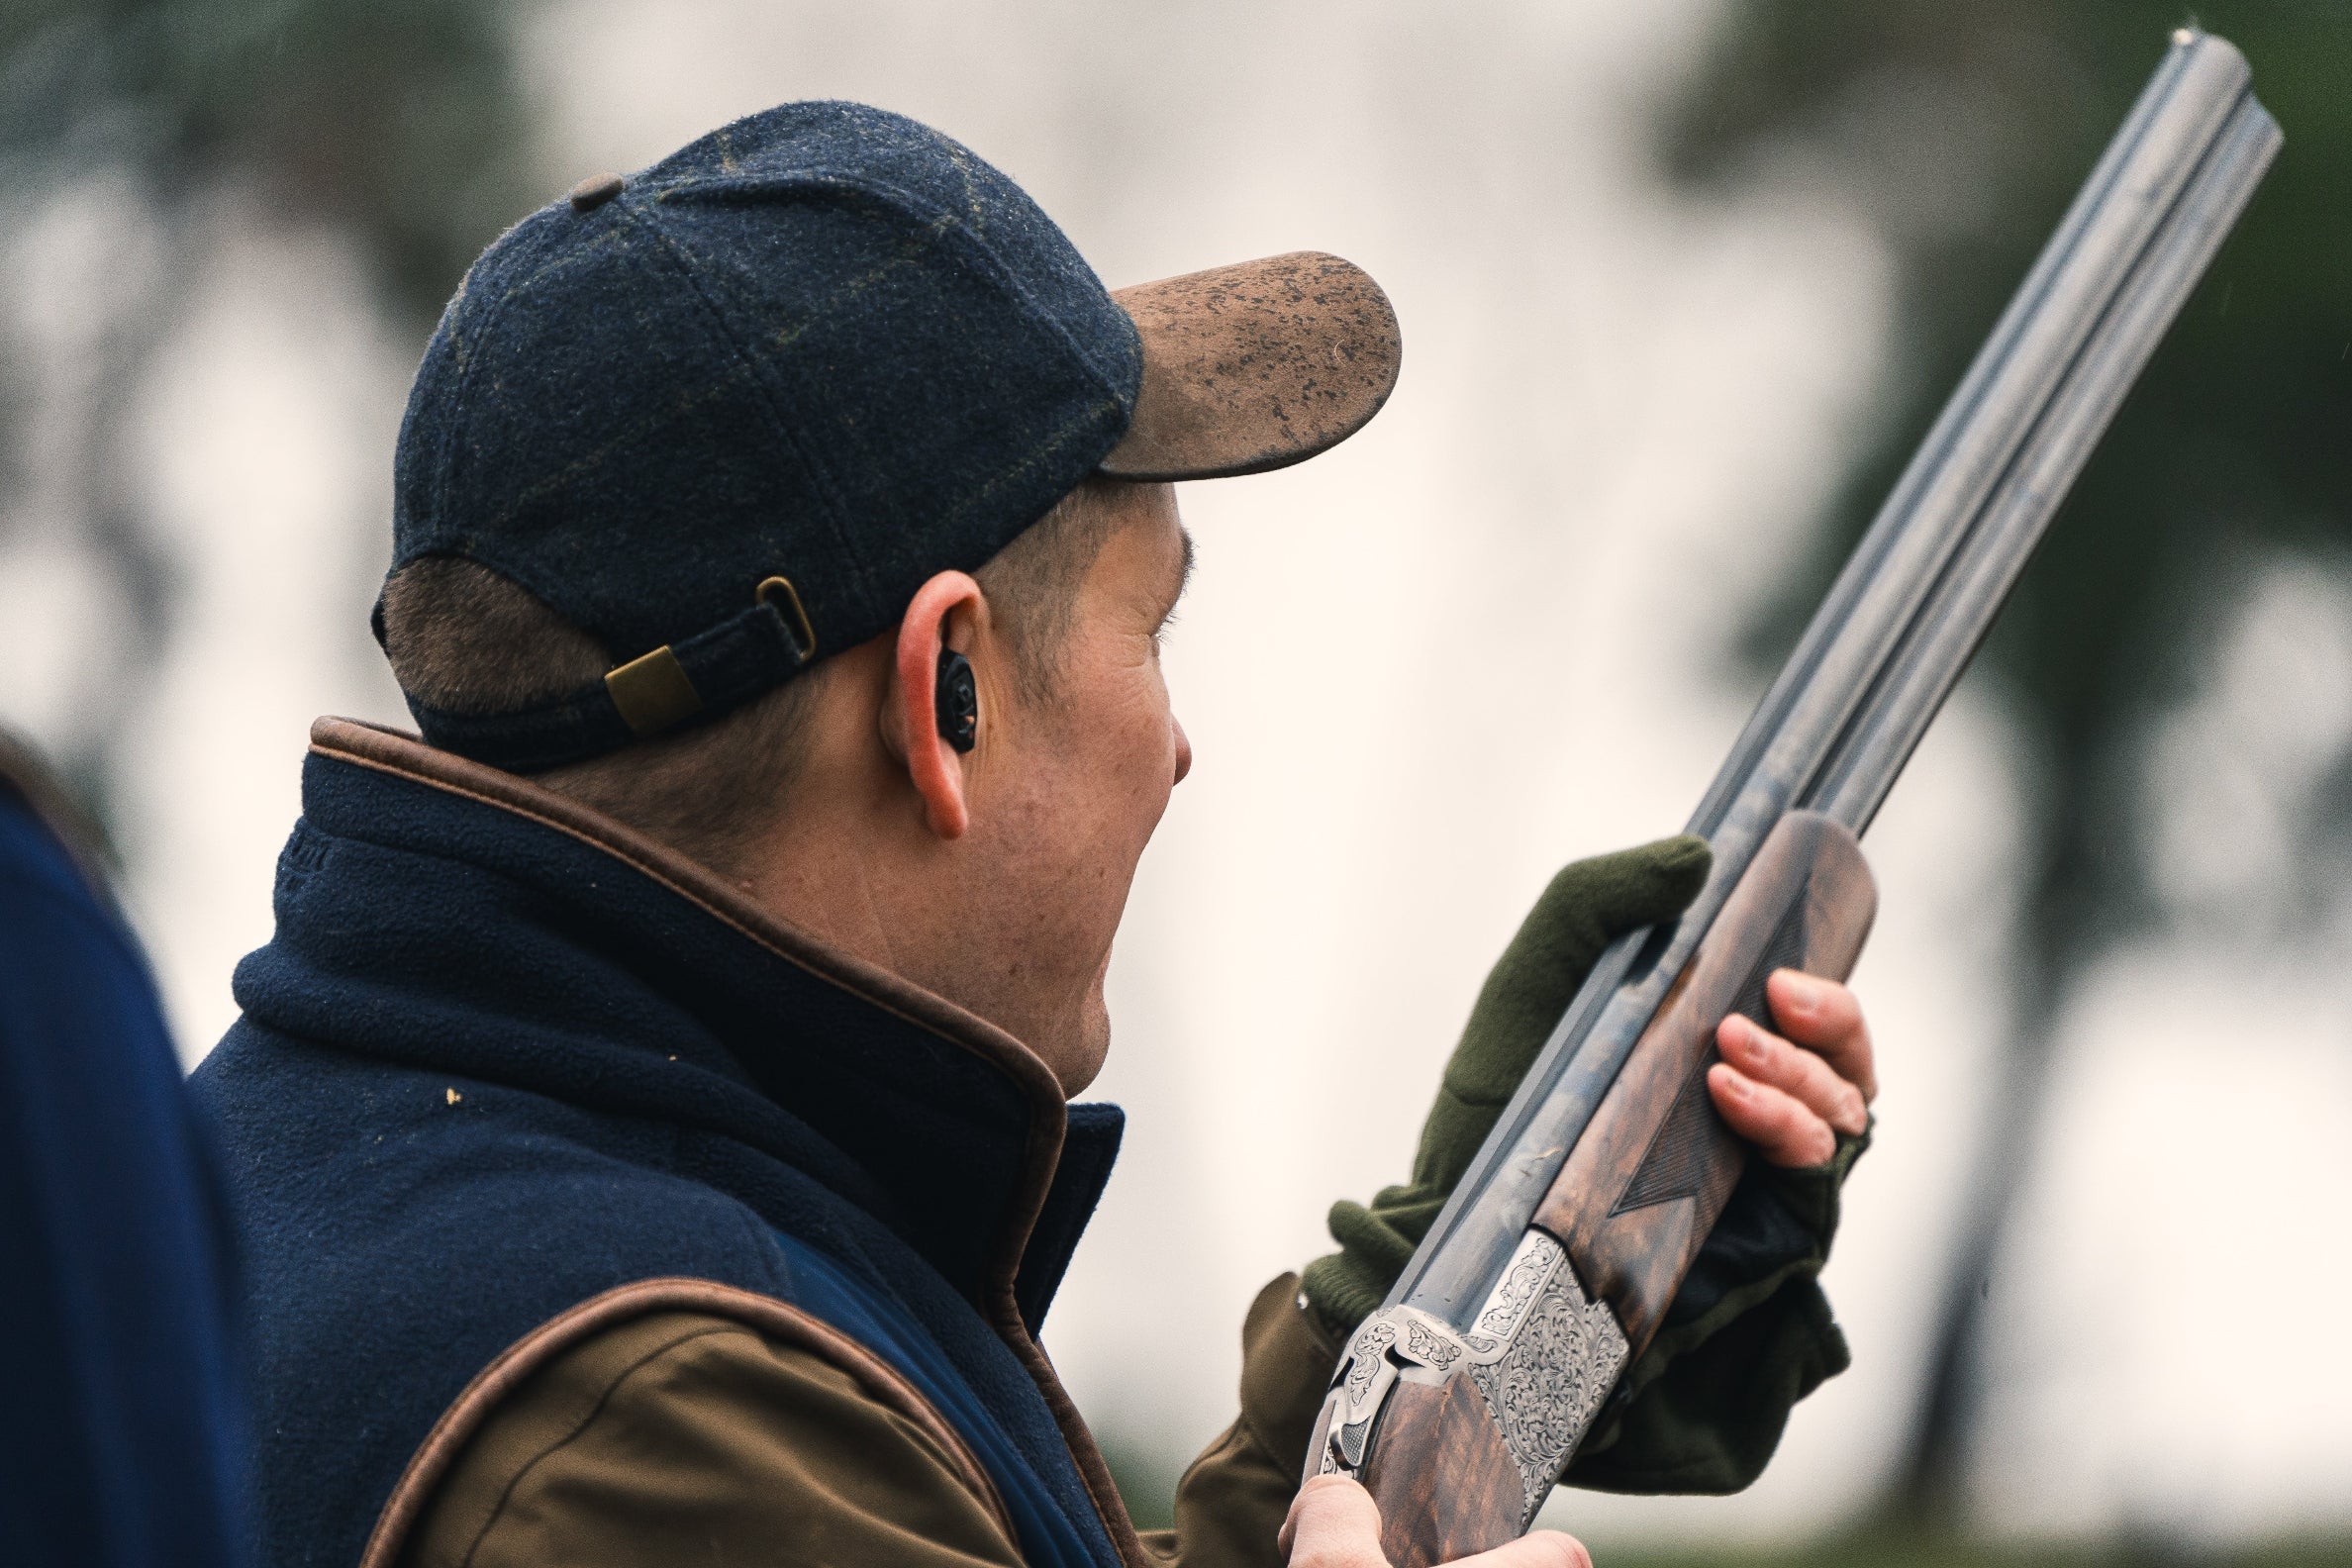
(705, 468)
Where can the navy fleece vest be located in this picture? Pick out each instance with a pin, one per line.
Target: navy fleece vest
(489, 1067)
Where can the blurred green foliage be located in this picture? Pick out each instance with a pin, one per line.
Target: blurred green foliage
(400, 121)
(1147, 1477)
(399, 124)
(1964, 127)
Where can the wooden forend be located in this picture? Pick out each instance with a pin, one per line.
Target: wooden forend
(1646, 1180)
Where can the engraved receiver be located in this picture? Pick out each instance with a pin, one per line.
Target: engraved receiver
(1459, 1403)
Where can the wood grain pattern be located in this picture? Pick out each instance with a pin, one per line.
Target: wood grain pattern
(1647, 1180)
(1445, 1479)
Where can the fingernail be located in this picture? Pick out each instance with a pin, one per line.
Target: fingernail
(1750, 1038)
(1803, 991)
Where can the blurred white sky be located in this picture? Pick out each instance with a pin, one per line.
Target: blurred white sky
(1487, 636)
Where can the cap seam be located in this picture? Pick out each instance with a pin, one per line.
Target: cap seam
(461, 390)
(945, 223)
(948, 226)
(760, 377)
(466, 537)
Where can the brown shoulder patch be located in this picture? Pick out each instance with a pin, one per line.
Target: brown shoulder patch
(775, 1319)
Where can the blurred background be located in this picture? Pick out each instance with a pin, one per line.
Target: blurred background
(1681, 282)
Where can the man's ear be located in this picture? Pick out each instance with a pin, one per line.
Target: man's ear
(939, 618)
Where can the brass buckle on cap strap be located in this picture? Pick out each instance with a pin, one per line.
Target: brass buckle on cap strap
(654, 692)
(796, 617)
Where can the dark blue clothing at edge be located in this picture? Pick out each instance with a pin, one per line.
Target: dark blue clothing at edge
(490, 1068)
(121, 1429)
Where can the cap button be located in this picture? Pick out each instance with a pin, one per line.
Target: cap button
(594, 191)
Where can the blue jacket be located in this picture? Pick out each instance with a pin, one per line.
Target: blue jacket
(503, 1056)
(122, 1434)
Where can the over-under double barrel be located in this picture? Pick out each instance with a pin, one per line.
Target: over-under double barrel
(1463, 1397)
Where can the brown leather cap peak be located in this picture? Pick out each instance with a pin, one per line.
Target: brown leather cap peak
(1254, 367)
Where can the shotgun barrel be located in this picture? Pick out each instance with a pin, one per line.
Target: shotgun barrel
(1511, 1293)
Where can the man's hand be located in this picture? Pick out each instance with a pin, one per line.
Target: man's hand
(1335, 1523)
(1706, 1407)
(1791, 1097)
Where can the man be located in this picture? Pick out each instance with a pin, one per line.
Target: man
(668, 1155)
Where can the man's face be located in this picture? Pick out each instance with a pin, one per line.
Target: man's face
(1065, 794)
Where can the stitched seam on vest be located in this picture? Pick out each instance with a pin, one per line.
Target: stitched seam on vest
(764, 1314)
(507, 1494)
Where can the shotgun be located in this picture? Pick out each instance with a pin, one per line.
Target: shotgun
(1462, 1399)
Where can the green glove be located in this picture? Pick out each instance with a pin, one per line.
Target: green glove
(1749, 1334)
(1588, 905)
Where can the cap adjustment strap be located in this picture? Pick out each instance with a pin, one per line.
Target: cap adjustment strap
(718, 669)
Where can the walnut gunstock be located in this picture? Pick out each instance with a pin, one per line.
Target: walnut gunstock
(1446, 1480)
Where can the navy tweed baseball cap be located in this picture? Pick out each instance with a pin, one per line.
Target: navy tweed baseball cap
(727, 414)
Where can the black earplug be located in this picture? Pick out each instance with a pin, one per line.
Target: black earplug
(956, 701)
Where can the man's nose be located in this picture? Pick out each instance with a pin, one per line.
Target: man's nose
(1183, 749)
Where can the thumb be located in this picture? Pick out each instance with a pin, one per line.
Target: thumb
(1588, 905)
(1538, 1549)
(1334, 1524)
